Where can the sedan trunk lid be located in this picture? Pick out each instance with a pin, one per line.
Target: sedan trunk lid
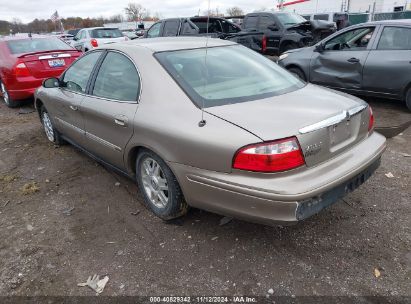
(325, 122)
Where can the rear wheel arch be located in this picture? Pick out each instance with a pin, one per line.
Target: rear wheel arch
(407, 96)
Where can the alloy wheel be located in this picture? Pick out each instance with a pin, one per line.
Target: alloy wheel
(6, 97)
(155, 183)
(48, 127)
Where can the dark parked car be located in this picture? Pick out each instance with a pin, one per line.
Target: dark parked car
(367, 59)
(194, 26)
(26, 61)
(275, 32)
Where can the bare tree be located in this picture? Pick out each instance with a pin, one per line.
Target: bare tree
(235, 11)
(135, 12)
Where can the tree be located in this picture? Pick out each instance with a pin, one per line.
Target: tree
(235, 11)
(135, 12)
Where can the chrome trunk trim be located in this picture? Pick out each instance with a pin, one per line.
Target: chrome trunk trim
(54, 56)
(346, 114)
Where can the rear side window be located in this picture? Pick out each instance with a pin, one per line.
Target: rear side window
(117, 79)
(171, 28)
(395, 38)
(76, 77)
(265, 22)
(229, 28)
(106, 33)
(250, 22)
(321, 17)
(213, 25)
(23, 46)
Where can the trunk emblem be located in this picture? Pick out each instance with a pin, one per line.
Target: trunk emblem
(313, 149)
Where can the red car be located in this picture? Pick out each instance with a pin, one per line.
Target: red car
(26, 61)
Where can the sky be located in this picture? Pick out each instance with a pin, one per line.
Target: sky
(27, 10)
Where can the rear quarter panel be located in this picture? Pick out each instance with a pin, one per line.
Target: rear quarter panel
(167, 122)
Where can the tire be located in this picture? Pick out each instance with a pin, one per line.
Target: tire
(160, 189)
(408, 99)
(6, 97)
(288, 46)
(297, 72)
(51, 133)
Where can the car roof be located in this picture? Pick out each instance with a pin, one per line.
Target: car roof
(392, 22)
(100, 28)
(170, 43)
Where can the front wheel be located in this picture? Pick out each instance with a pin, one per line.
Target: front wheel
(51, 133)
(160, 188)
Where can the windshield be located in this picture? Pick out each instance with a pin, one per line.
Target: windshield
(106, 33)
(229, 75)
(32, 45)
(290, 19)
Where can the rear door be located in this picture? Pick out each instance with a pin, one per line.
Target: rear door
(110, 107)
(340, 64)
(66, 105)
(392, 74)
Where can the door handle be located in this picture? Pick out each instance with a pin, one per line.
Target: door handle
(74, 108)
(353, 60)
(121, 120)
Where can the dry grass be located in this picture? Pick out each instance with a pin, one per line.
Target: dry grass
(30, 188)
(8, 178)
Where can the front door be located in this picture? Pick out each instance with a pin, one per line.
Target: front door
(110, 108)
(69, 96)
(392, 74)
(340, 62)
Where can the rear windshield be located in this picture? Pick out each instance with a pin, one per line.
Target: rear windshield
(32, 45)
(228, 75)
(106, 33)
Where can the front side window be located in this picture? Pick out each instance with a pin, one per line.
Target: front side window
(395, 38)
(230, 74)
(357, 39)
(76, 77)
(154, 30)
(171, 28)
(117, 79)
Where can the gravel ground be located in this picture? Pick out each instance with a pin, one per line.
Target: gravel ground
(64, 217)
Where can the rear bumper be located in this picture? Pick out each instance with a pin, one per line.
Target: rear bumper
(281, 198)
(23, 88)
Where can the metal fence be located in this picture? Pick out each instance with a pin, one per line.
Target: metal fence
(391, 16)
(358, 18)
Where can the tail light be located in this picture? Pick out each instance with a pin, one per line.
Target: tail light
(264, 44)
(21, 70)
(371, 120)
(280, 155)
(94, 42)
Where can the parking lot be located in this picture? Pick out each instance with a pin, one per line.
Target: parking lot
(64, 217)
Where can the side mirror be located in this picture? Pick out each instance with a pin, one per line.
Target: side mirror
(75, 38)
(319, 48)
(272, 27)
(51, 83)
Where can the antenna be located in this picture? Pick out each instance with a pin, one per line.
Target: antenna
(202, 122)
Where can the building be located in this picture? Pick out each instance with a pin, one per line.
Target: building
(353, 6)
